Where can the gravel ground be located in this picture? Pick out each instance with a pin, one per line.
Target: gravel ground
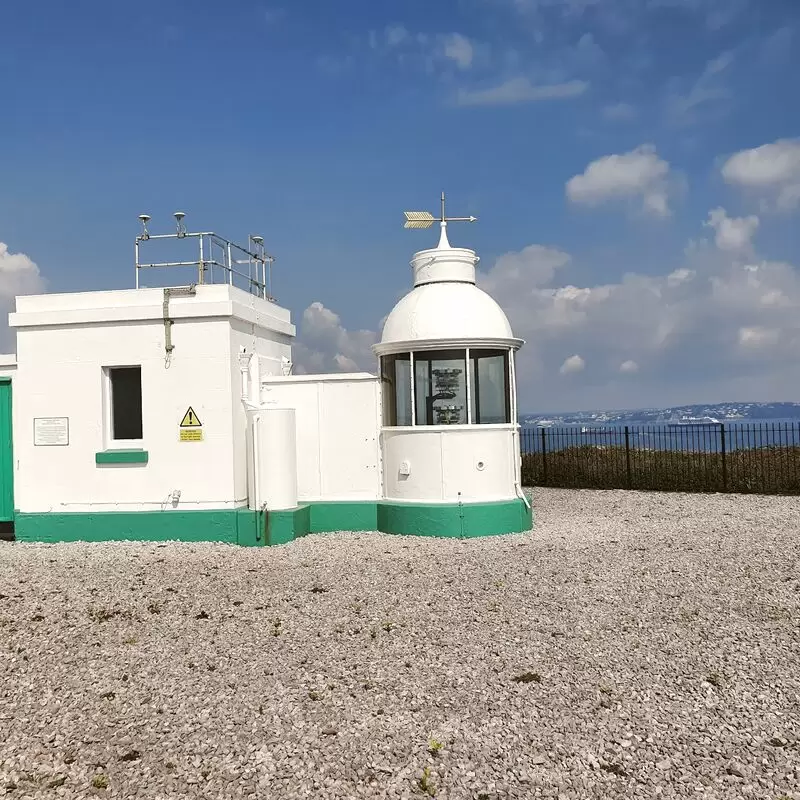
(634, 645)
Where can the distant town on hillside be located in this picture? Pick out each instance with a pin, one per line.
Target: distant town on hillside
(688, 414)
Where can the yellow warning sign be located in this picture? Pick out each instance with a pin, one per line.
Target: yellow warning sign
(191, 434)
(190, 419)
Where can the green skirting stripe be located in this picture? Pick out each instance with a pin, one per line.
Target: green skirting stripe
(121, 457)
(155, 526)
(256, 528)
(451, 519)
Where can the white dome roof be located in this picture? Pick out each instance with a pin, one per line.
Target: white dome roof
(446, 311)
(445, 306)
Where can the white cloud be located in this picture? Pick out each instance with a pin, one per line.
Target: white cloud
(706, 95)
(19, 275)
(619, 112)
(396, 35)
(639, 174)
(733, 234)
(325, 345)
(520, 90)
(771, 170)
(758, 337)
(724, 323)
(572, 364)
(459, 49)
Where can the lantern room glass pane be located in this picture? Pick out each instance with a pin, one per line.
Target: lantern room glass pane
(490, 401)
(440, 381)
(396, 382)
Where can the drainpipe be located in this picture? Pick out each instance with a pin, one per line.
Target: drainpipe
(254, 375)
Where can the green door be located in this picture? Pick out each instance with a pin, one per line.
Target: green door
(6, 454)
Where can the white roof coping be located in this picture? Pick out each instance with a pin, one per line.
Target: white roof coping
(321, 377)
(136, 305)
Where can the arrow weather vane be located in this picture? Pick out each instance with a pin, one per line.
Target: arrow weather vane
(424, 219)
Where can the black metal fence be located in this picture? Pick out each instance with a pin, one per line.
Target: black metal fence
(757, 458)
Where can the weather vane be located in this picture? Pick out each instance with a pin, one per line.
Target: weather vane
(424, 219)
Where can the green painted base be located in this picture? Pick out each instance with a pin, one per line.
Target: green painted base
(237, 526)
(254, 528)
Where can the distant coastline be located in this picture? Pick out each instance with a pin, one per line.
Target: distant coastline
(726, 413)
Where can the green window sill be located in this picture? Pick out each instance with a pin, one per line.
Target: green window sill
(121, 457)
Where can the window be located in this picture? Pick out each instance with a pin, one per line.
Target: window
(489, 390)
(125, 403)
(396, 381)
(437, 382)
(440, 381)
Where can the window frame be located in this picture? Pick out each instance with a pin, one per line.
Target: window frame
(110, 442)
(471, 383)
(490, 352)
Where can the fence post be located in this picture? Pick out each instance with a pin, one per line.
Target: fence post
(544, 458)
(628, 457)
(724, 459)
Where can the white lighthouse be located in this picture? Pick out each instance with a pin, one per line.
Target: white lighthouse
(449, 433)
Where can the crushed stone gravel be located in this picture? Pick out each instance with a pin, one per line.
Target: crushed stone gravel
(634, 645)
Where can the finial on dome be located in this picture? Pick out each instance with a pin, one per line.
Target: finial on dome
(424, 219)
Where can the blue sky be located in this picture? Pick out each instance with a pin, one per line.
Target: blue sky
(317, 123)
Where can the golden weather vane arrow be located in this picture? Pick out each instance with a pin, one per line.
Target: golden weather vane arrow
(424, 219)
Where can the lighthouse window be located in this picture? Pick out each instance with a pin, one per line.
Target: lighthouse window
(396, 380)
(440, 387)
(489, 391)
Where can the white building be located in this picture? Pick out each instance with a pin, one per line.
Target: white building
(173, 414)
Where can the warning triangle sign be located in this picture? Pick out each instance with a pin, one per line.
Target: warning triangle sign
(190, 419)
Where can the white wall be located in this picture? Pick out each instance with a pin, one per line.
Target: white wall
(8, 365)
(60, 374)
(338, 419)
(271, 348)
(478, 461)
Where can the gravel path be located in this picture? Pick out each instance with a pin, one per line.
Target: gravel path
(635, 645)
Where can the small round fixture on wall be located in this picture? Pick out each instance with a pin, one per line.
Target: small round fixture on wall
(480, 466)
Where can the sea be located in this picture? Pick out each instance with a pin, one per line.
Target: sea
(729, 435)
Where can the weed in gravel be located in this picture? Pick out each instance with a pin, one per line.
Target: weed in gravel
(387, 626)
(527, 677)
(434, 747)
(104, 614)
(202, 615)
(314, 695)
(276, 626)
(373, 634)
(100, 781)
(425, 784)
(130, 640)
(59, 780)
(154, 607)
(318, 590)
(614, 769)
(715, 679)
